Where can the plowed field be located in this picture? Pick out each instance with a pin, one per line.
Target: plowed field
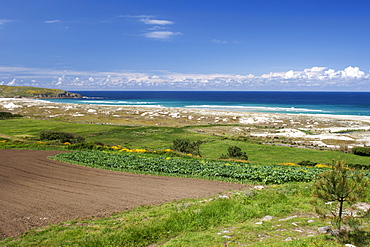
(36, 191)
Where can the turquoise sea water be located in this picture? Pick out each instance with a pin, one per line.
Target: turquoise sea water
(336, 103)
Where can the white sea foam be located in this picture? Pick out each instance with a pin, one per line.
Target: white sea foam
(116, 102)
(256, 108)
(149, 106)
(99, 102)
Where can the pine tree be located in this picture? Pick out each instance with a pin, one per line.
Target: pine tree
(336, 191)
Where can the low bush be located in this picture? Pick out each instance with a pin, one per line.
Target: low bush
(186, 146)
(6, 115)
(307, 163)
(63, 137)
(363, 151)
(359, 166)
(234, 152)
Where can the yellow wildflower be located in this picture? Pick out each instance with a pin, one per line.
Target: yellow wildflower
(287, 164)
(323, 166)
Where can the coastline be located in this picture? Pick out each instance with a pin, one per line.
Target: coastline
(315, 130)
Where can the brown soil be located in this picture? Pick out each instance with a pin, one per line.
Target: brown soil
(36, 191)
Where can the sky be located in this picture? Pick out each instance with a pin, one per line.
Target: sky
(239, 45)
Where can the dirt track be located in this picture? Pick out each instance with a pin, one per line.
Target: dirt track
(36, 191)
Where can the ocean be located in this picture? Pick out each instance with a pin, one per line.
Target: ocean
(335, 103)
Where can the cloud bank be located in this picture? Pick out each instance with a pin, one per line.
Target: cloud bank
(311, 79)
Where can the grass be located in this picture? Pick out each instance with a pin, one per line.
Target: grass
(32, 127)
(226, 220)
(129, 136)
(270, 154)
(23, 91)
(157, 138)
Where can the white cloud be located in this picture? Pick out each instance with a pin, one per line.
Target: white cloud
(162, 35)
(157, 28)
(289, 74)
(135, 16)
(52, 21)
(218, 41)
(12, 82)
(4, 21)
(353, 72)
(156, 22)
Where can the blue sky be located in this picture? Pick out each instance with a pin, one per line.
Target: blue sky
(186, 45)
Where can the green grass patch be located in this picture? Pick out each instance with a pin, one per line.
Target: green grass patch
(270, 154)
(33, 127)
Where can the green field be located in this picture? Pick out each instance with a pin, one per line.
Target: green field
(157, 138)
(225, 220)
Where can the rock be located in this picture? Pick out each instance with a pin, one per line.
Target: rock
(267, 218)
(65, 94)
(324, 229)
(258, 187)
(364, 206)
(358, 209)
(288, 218)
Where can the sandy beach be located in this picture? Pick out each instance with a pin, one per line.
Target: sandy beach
(316, 131)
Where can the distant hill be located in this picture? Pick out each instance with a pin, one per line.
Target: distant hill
(34, 92)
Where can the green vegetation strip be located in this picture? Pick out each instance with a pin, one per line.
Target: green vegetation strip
(229, 171)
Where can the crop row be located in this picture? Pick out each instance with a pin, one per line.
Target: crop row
(191, 167)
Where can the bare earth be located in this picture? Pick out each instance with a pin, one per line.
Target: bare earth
(36, 191)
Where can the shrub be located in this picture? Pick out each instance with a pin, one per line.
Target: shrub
(363, 151)
(359, 166)
(6, 115)
(187, 146)
(234, 152)
(307, 163)
(61, 136)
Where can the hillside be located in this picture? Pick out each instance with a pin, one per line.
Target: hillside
(34, 92)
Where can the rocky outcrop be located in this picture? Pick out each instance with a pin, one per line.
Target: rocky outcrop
(65, 94)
